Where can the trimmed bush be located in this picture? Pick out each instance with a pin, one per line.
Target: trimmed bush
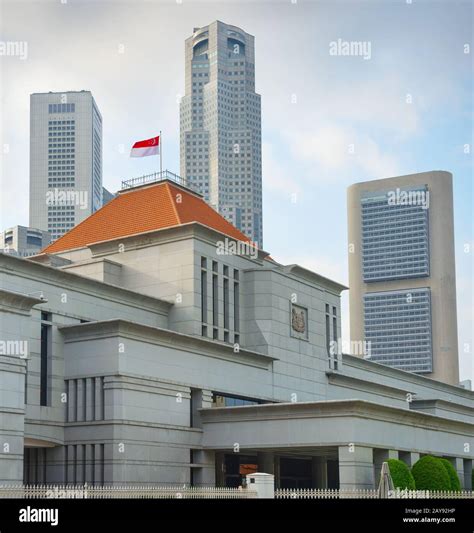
(401, 475)
(430, 474)
(453, 476)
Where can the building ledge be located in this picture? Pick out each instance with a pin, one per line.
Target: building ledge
(404, 376)
(18, 302)
(154, 334)
(335, 408)
(352, 382)
(70, 280)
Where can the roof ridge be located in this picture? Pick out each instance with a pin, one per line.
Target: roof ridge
(175, 210)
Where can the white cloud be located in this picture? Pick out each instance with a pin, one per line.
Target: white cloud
(338, 151)
(278, 177)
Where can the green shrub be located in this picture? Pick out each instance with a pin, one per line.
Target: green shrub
(453, 476)
(430, 474)
(401, 475)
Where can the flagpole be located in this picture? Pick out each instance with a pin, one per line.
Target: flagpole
(161, 157)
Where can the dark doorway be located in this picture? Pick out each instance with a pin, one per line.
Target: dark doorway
(295, 473)
(333, 474)
(236, 467)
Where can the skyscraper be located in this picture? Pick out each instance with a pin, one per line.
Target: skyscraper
(221, 139)
(23, 241)
(65, 160)
(402, 274)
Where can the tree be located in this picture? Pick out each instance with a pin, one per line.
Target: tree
(401, 475)
(430, 474)
(453, 476)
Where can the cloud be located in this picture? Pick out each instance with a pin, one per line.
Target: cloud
(338, 150)
(278, 177)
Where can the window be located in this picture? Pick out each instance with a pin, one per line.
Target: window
(226, 303)
(236, 307)
(328, 335)
(204, 293)
(45, 356)
(226, 400)
(215, 300)
(62, 108)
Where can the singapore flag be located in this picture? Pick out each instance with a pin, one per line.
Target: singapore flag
(144, 148)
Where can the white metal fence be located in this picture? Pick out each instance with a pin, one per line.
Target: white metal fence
(183, 492)
(119, 491)
(369, 494)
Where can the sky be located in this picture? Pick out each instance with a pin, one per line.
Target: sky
(327, 120)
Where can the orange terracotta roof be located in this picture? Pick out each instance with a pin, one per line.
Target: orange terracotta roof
(153, 207)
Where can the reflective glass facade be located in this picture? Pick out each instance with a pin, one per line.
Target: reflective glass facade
(398, 326)
(395, 237)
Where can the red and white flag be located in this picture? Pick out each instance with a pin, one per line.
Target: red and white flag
(144, 148)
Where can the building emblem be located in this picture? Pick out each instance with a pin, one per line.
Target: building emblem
(299, 320)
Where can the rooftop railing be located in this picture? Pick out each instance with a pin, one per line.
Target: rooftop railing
(155, 177)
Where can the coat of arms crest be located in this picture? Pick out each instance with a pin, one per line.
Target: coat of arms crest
(298, 320)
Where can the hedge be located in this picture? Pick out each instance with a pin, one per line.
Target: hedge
(401, 475)
(431, 474)
(453, 476)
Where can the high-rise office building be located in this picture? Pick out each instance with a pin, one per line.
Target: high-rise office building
(221, 139)
(22, 241)
(65, 160)
(402, 272)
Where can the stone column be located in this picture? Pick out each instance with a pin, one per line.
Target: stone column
(56, 460)
(266, 462)
(12, 416)
(71, 463)
(81, 396)
(220, 478)
(458, 464)
(80, 462)
(468, 474)
(90, 407)
(319, 473)
(99, 464)
(206, 473)
(381, 456)
(356, 469)
(409, 458)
